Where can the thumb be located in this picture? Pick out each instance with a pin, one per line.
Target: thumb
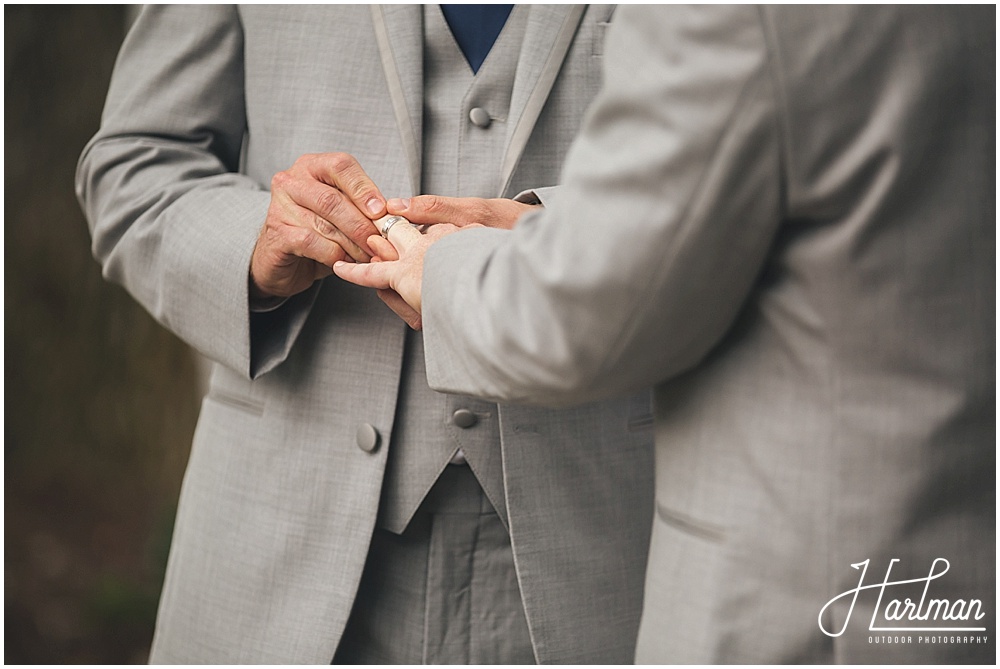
(370, 275)
(431, 209)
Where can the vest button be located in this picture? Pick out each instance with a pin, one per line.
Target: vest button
(480, 117)
(367, 438)
(464, 418)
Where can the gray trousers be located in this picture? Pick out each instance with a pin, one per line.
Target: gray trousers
(443, 592)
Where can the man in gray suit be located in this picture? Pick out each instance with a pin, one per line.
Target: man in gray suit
(784, 217)
(333, 503)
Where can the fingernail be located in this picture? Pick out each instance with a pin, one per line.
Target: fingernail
(374, 206)
(339, 263)
(399, 204)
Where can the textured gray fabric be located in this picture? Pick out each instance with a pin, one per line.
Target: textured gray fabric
(279, 503)
(459, 158)
(420, 452)
(784, 217)
(444, 591)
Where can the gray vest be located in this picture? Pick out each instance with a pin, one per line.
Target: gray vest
(464, 133)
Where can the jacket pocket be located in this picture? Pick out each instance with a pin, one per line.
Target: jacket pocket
(237, 402)
(640, 423)
(600, 33)
(688, 525)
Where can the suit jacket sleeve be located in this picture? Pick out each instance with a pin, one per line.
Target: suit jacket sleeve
(171, 218)
(669, 204)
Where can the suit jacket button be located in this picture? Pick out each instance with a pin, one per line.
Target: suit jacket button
(464, 418)
(480, 117)
(367, 438)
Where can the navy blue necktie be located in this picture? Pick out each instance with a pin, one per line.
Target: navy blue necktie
(476, 28)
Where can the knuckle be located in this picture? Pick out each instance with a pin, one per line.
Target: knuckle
(329, 201)
(280, 180)
(432, 204)
(342, 162)
(357, 185)
(324, 227)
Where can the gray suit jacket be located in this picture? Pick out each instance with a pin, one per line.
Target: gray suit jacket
(279, 502)
(785, 218)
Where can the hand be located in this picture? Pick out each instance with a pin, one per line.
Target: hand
(321, 212)
(396, 278)
(460, 211)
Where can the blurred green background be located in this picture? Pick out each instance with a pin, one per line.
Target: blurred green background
(100, 401)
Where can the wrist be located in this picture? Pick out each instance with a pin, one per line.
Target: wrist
(259, 299)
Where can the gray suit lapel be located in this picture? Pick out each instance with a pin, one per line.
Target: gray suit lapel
(540, 61)
(399, 34)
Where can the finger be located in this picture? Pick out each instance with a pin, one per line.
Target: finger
(499, 213)
(436, 232)
(399, 306)
(332, 210)
(342, 171)
(403, 235)
(371, 275)
(383, 249)
(280, 265)
(306, 218)
(307, 243)
(430, 209)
